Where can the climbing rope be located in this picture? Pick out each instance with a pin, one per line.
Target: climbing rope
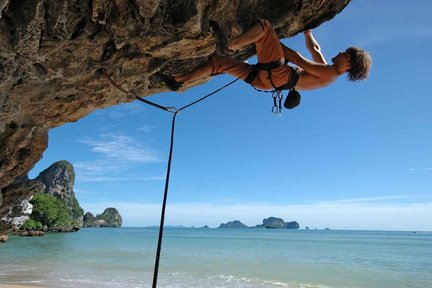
(175, 111)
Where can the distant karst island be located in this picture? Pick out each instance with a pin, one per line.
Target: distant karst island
(109, 218)
(268, 223)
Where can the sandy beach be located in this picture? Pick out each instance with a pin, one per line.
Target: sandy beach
(20, 286)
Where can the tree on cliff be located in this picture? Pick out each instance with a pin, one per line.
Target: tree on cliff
(50, 212)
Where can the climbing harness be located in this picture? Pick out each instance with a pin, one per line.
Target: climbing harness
(293, 97)
(175, 112)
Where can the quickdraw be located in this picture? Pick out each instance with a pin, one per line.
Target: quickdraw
(277, 102)
(293, 97)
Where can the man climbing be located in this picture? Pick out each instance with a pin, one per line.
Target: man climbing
(272, 71)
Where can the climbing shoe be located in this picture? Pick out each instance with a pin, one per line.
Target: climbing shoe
(169, 81)
(221, 39)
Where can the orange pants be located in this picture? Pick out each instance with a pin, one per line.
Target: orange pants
(269, 49)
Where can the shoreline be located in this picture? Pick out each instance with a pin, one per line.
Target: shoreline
(21, 285)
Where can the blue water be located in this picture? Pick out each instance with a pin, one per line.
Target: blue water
(220, 258)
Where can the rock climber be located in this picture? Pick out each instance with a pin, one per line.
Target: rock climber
(272, 71)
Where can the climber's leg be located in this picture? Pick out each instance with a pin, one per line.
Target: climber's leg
(201, 72)
(254, 34)
(217, 64)
(269, 48)
(233, 67)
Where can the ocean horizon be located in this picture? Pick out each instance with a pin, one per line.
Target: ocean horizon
(243, 258)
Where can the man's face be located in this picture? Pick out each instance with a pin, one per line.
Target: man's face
(342, 60)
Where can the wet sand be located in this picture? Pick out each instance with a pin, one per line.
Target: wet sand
(20, 286)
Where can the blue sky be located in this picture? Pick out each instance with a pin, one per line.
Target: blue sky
(351, 156)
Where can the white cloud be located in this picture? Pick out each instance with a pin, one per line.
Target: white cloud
(146, 128)
(98, 171)
(420, 169)
(122, 148)
(340, 214)
(369, 199)
(119, 159)
(108, 171)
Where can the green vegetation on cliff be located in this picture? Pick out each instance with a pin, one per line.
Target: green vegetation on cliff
(31, 224)
(75, 208)
(53, 213)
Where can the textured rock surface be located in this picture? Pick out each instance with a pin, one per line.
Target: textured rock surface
(52, 51)
(59, 179)
(20, 214)
(12, 202)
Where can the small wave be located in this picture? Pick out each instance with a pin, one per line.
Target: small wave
(225, 281)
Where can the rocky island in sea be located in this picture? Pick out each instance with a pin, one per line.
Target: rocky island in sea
(55, 208)
(233, 224)
(109, 218)
(278, 223)
(268, 223)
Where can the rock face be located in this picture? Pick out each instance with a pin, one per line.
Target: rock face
(52, 53)
(109, 218)
(59, 180)
(32, 233)
(278, 223)
(14, 203)
(233, 224)
(20, 214)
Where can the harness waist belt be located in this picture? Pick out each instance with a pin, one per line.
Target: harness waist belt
(269, 67)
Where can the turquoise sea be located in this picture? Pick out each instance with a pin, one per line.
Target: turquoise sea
(243, 258)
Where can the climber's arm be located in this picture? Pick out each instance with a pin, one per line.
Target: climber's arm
(313, 75)
(320, 70)
(313, 47)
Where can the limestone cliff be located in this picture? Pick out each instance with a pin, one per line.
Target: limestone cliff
(52, 51)
(14, 203)
(59, 180)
